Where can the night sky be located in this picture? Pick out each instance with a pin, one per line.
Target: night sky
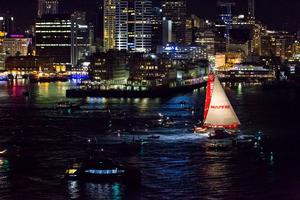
(277, 14)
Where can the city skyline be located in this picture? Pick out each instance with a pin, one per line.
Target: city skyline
(279, 17)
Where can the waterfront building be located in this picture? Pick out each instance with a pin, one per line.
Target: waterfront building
(225, 61)
(246, 72)
(146, 70)
(20, 66)
(220, 60)
(175, 10)
(110, 68)
(2, 58)
(16, 45)
(184, 52)
(47, 7)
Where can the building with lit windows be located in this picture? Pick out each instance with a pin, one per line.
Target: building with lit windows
(133, 25)
(7, 24)
(123, 13)
(193, 24)
(278, 44)
(65, 37)
(16, 45)
(109, 24)
(207, 38)
(143, 25)
(109, 68)
(157, 27)
(20, 66)
(47, 7)
(53, 37)
(81, 38)
(184, 52)
(251, 9)
(175, 10)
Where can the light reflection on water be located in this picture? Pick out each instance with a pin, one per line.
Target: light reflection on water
(94, 191)
(174, 167)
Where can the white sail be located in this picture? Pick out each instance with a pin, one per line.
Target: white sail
(221, 112)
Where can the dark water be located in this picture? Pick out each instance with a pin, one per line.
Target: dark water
(174, 167)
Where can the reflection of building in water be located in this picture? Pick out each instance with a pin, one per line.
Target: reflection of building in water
(106, 191)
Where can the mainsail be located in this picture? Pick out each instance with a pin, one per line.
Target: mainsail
(218, 112)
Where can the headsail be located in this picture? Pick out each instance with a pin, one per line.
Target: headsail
(219, 112)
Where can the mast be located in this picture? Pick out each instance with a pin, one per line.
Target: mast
(209, 92)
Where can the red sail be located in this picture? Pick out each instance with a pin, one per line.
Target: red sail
(209, 92)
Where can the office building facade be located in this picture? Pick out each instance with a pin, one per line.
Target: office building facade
(109, 24)
(175, 10)
(47, 7)
(133, 25)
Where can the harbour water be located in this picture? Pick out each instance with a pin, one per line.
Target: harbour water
(173, 167)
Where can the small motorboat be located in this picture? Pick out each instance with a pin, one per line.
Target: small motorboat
(220, 134)
(67, 105)
(102, 170)
(245, 139)
(200, 130)
(219, 139)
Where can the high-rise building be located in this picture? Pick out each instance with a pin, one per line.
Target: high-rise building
(207, 38)
(47, 7)
(109, 24)
(81, 38)
(193, 24)
(121, 26)
(143, 25)
(133, 28)
(251, 9)
(225, 18)
(67, 38)
(225, 12)
(175, 10)
(54, 37)
(7, 23)
(157, 27)
(166, 32)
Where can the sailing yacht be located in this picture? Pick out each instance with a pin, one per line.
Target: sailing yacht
(218, 111)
